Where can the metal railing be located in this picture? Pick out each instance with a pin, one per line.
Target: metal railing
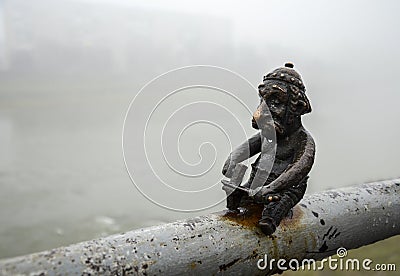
(220, 243)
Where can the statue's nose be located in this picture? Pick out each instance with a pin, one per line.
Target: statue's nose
(257, 113)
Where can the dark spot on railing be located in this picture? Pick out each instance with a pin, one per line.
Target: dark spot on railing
(327, 233)
(333, 234)
(334, 194)
(324, 247)
(190, 225)
(226, 266)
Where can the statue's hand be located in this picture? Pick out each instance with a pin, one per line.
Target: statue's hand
(229, 166)
(265, 193)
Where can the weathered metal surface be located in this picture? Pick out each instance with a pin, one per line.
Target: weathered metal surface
(286, 150)
(223, 244)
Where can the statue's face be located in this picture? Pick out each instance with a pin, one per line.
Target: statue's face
(273, 101)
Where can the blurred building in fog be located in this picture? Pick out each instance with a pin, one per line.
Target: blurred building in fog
(76, 37)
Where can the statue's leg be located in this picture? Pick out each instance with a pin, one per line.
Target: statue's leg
(239, 198)
(275, 211)
(233, 200)
(244, 199)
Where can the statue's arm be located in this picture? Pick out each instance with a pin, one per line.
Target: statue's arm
(299, 168)
(243, 152)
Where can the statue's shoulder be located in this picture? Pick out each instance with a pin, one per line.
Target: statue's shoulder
(301, 134)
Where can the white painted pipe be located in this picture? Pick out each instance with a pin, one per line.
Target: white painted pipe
(219, 244)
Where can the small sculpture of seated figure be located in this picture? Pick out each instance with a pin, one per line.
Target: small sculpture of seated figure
(282, 103)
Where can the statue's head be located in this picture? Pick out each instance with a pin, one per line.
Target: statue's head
(282, 93)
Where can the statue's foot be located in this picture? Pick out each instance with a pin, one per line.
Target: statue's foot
(239, 212)
(267, 225)
(232, 211)
(233, 201)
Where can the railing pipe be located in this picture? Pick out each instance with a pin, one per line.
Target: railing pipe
(220, 243)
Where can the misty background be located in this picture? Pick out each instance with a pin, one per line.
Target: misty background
(69, 70)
